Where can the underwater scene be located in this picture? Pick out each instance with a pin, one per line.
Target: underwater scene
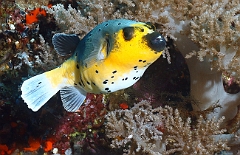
(114, 77)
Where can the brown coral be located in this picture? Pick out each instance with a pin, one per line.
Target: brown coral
(135, 129)
(31, 4)
(217, 33)
(181, 136)
(162, 131)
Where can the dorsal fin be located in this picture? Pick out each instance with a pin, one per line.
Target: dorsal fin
(65, 44)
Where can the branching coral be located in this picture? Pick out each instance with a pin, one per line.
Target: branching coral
(217, 32)
(31, 4)
(71, 20)
(210, 31)
(182, 136)
(135, 129)
(143, 130)
(96, 11)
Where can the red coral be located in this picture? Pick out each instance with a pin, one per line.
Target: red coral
(87, 121)
(48, 145)
(123, 106)
(34, 144)
(4, 150)
(31, 17)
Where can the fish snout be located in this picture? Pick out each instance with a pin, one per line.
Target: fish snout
(156, 41)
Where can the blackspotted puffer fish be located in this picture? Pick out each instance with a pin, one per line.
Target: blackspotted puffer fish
(113, 56)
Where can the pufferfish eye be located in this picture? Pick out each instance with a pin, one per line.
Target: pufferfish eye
(128, 33)
(156, 41)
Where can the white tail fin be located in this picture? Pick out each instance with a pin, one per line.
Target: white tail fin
(37, 90)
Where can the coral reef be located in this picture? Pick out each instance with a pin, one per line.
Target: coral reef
(205, 32)
(136, 130)
(209, 34)
(206, 27)
(31, 4)
(82, 129)
(81, 27)
(144, 130)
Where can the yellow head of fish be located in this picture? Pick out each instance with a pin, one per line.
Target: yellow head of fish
(113, 56)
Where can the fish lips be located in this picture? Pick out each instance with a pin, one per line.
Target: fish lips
(156, 41)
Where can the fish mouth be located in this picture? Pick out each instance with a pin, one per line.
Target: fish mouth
(156, 41)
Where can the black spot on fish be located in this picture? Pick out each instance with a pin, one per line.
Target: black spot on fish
(126, 78)
(94, 84)
(112, 82)
(88, 83)
(39, 82)
(106, 88)
(85, 65)
(122, 79)
(90, 34)
(135, 67)
(109, 91)
(114, 72)
(99, 29)
(139, 60)
(96, 71)
(112, 76)
(77, 66)
(106, 24)
(75, 84)
(80, 83)
(105, 82)
(119, 23)
(135, 78)
(142, 30)
(144, 61)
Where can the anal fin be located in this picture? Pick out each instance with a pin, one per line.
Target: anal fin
(72, 97)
